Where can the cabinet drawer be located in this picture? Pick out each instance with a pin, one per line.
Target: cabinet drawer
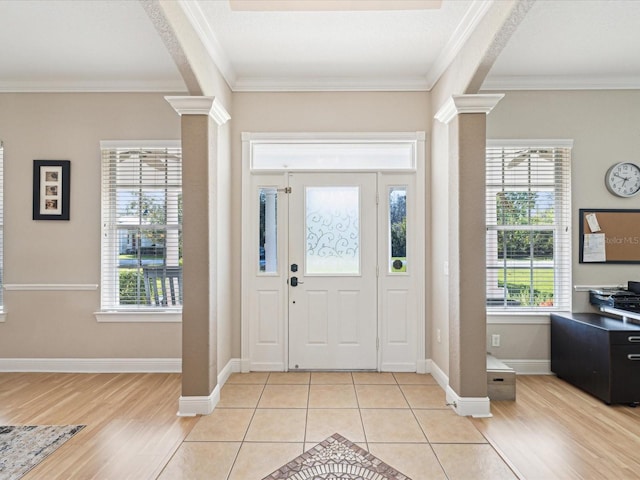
(625, 374)
(625, 338)
(626, 354)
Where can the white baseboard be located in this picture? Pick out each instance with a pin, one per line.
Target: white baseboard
(529, 367)
(198, 405)
(204, 405)
(92, 365)
(468, 406)
(463, 406)
(232, 366)
(438, 375)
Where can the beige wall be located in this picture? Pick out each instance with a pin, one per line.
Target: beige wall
(70, 127)
(316, 112)
(604, 127)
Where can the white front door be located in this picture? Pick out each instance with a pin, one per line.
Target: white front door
(332, 298)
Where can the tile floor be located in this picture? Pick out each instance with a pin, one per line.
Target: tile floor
(264, 420)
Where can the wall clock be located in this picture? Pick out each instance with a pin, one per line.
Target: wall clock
(623, 179)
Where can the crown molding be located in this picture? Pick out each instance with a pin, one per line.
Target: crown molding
(200, 106)
(198, 21)
(559, 82)
(463, 31)
(219, 113)
(457, 104)
(191, 105)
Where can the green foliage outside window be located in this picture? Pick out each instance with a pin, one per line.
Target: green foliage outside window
(131, 287)
(527, 286)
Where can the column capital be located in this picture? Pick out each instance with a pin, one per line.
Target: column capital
(457, 104)
(191, 105)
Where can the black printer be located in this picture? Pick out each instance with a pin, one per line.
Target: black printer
(621, 299)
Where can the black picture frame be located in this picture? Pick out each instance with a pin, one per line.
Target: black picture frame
(51, 189)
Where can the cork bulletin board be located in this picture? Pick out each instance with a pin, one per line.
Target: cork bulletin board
(609, 236)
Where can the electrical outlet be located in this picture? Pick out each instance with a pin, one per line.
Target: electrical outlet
(438, 337)
(495, 340)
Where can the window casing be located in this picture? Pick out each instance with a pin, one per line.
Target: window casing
(528, 243)
(141, 225)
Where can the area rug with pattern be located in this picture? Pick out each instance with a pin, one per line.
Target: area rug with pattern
(23, 447)
(336, 458)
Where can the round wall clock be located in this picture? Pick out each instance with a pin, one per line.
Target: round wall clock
(623, 179)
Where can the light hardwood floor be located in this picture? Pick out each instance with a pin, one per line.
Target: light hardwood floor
(553, 430)
(132, 428)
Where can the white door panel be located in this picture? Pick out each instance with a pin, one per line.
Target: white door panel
(332, 243)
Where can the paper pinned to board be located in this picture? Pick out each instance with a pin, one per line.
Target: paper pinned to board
(593, 249)
(592, 220)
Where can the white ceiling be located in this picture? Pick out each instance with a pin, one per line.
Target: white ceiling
(111, 45)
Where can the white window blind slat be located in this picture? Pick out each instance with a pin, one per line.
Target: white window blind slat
(528, 225)
(141, 226)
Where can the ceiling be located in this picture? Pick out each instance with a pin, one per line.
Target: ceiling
(275, 45)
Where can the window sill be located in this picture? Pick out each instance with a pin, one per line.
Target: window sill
(128, 316)
(519, 318)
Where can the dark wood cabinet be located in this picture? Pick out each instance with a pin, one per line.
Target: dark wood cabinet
(600, 355)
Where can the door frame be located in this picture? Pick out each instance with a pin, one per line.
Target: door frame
(271, 354)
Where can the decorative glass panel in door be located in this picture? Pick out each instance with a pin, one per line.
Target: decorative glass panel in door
(333, 230)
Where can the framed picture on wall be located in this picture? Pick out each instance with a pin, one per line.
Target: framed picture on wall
(51, 189)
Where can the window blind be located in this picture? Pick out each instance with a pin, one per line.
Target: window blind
(528, 207)
(141, 225)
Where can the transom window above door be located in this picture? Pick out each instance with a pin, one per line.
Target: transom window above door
(331, 152)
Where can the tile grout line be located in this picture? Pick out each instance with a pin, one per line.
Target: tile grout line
(367, 443)
(364, 430)
(306, 417)
(435, 455)
(244, 437)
